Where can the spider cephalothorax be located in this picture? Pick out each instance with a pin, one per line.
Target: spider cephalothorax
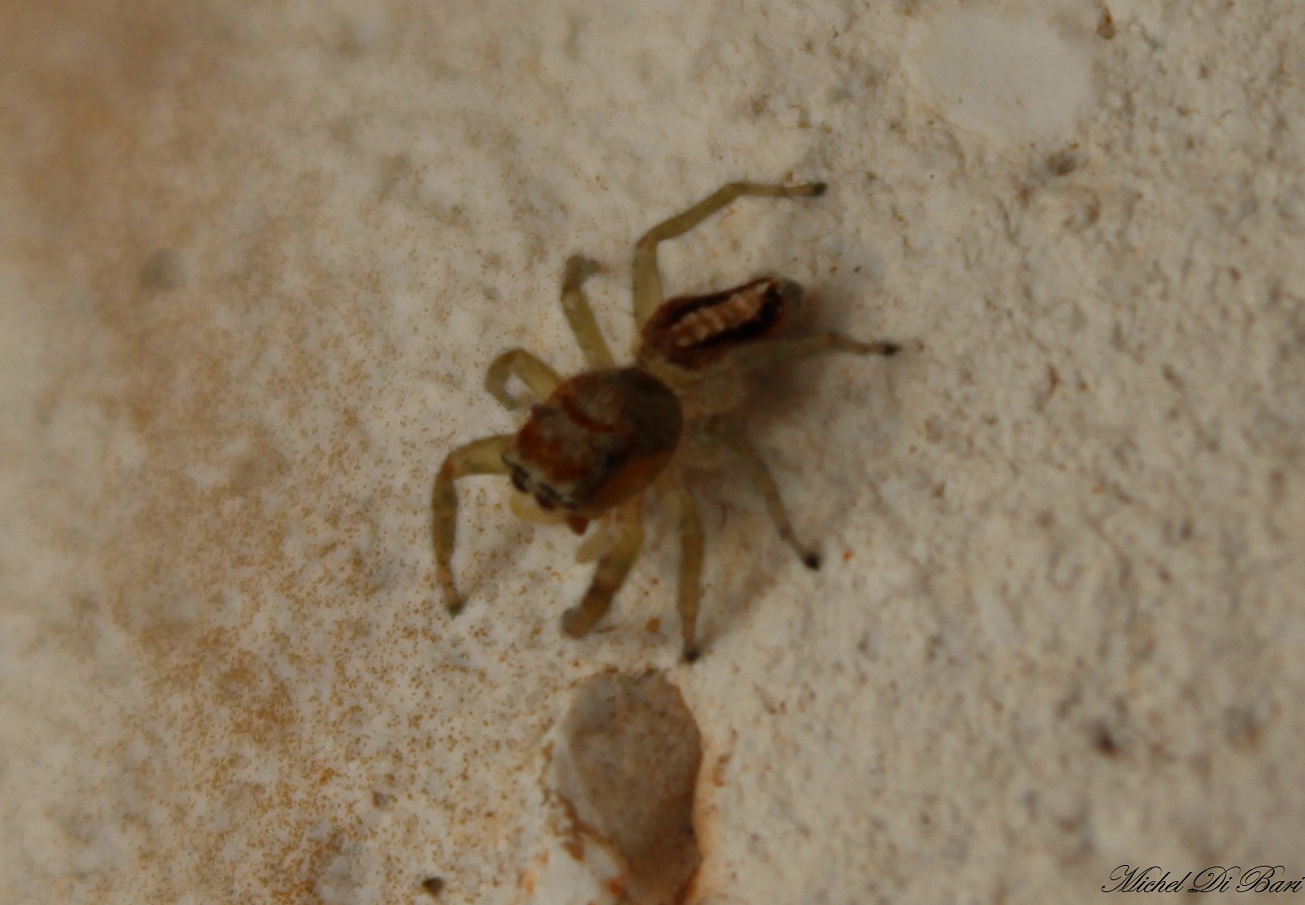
(600, 438)
(593, 444)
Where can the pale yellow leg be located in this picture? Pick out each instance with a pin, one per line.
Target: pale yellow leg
(478, 457)
(756, 470)
(690, 570)
(612, 570)
(780, 350)
(581, 317)
(648, 279)
(539, 378)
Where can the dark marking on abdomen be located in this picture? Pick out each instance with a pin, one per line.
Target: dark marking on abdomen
(693, 330)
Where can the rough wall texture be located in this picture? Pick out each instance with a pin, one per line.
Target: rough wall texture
(255, 257)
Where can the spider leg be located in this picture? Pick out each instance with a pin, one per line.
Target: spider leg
(483, 456)
(580, 316)
(690, 569)
(754, 466)
(538, 377)
(648, 279)
(780, 350)
(612, 569)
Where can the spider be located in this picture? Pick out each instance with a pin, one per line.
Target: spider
(593, 443)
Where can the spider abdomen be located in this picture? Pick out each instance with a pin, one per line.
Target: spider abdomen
(694, 330)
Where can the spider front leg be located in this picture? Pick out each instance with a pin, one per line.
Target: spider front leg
(612, 570)
(648, 279)
(475, 458)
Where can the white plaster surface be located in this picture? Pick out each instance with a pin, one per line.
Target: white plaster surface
(255, 257)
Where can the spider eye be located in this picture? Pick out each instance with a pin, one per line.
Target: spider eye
(611, 460)
(519, 479)
(547, 498)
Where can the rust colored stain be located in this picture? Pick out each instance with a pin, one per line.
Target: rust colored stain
(117, 117)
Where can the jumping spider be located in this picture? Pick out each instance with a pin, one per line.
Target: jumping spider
(593, 443)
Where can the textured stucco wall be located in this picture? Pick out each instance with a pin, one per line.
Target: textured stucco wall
(254, 259)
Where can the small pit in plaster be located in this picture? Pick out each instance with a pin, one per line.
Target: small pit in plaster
(1012, 78)
(624, 769)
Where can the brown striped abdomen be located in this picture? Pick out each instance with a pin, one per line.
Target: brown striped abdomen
(693, 330)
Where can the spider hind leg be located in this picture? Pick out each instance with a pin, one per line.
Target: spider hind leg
(647, 277)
